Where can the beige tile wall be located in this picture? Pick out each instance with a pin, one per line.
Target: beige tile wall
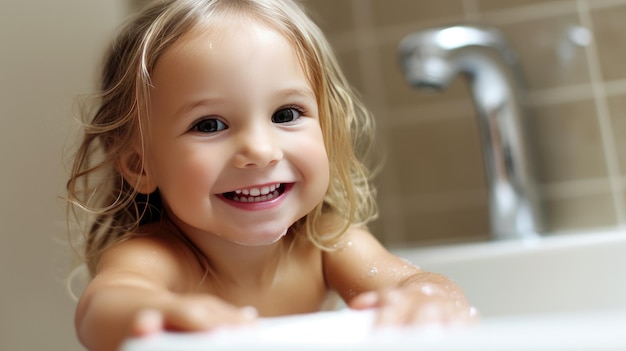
(432, 189)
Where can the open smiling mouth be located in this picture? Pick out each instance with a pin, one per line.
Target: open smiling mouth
(264, 193)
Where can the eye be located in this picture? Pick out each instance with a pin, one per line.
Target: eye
(286, 115)
(209, 125)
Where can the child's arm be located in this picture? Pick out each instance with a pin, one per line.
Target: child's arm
(136, 291)
(366, 275)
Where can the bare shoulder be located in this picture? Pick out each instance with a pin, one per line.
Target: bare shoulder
(361, 263)
(357, 241)
(157, 256)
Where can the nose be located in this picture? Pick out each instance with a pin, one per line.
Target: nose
(257, 146)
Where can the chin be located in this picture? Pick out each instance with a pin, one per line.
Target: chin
(262, 240)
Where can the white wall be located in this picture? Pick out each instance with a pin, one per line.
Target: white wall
(49, 51)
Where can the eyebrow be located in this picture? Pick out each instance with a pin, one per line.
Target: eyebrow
(198, 102)
(297, 91)
(304, 92)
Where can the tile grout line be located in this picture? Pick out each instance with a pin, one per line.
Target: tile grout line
(529, 12)
(615, 87)
(576, 188)
(468, 198)
(368, 54)
(605, 4)
(395, 230)
(560, 95)
(537, 98)
(446, 201)
(571, 93)
(603, 116)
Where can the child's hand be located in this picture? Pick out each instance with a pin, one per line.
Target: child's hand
(421, 304)
(191, 313)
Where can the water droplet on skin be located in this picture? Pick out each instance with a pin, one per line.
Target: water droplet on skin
(351, 293)
(473, 312)
(428, 290)
(342, 246)
(372, 272)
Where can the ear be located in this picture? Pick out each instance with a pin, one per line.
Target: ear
(132, 167)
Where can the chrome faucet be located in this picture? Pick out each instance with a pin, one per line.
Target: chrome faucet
(431, 59)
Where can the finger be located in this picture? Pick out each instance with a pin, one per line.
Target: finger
(147, 322)
(197, 317)
(364, 301)
(445, 313)
(466, 316)
(395, 309)
(473, 315)
(431, 314)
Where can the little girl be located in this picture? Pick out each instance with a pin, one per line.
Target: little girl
(219, 180)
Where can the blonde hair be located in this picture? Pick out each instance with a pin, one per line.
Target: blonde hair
(110, 209)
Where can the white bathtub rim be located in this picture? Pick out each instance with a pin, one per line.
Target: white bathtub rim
(553, 241)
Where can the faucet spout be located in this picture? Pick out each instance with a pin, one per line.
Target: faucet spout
(431, 59)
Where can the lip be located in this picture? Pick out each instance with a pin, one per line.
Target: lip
(261, 205)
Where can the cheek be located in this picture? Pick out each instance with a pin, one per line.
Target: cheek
(317, 163)
(324, 167)
(182, 171)
(325, 178)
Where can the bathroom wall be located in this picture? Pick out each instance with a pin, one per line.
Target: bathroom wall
(48, 54)
(433, 187)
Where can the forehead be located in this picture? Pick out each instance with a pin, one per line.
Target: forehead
(238, 56)
(226, 41)
(218, 28)
(223, 24)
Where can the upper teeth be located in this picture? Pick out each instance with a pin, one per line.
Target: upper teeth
(258, 191)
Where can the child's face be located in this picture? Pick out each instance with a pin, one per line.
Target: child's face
(233, 115)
